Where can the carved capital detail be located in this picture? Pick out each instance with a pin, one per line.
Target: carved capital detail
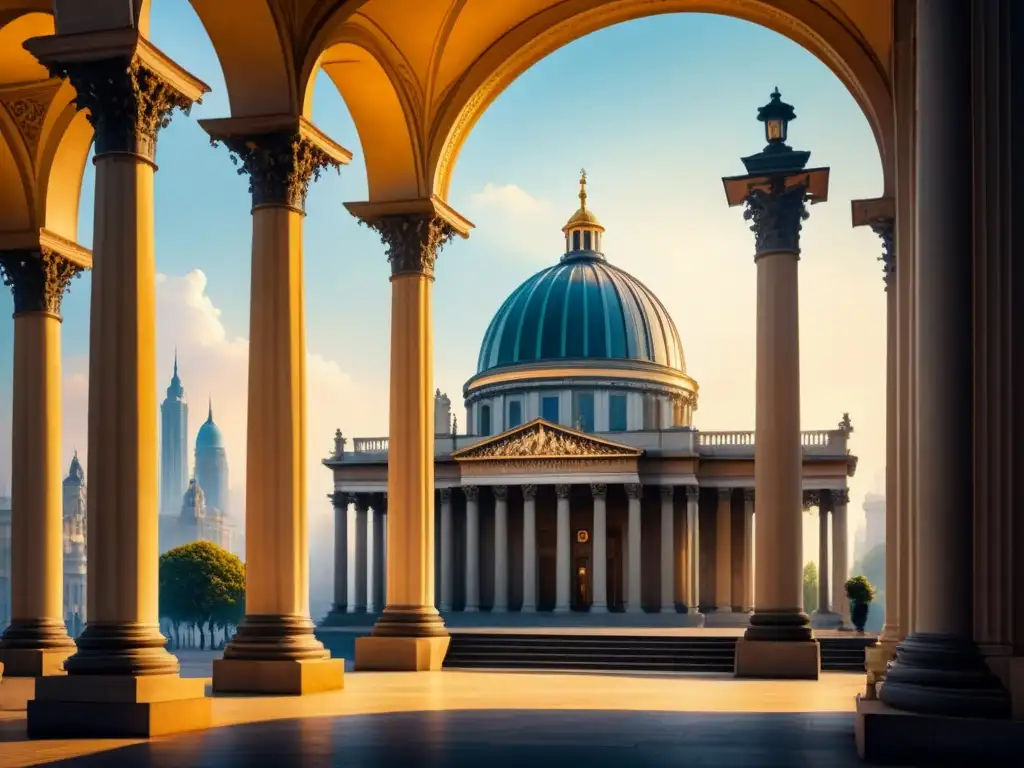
(413, 241)
(634, 491)
(529, 492)
(472, 492)
(776, 218)
(500, 492)
(362, 502)
(840, 497)
(748, 495)
(724, 494)
(340, 500)
(692, 492)
(38, 279)
(599, 490)
(885, 228)
(128, 103)
(667, 493)
(351, 498)
(562, 490)
(812, 499)
(446, 495)
(280, 166)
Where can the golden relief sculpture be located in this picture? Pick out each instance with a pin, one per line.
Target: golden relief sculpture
(542, 440)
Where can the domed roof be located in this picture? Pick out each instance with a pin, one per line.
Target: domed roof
(582, 308)
(584, 217)
(210, 436)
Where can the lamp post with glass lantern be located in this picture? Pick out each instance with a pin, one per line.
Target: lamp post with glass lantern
(775, 190)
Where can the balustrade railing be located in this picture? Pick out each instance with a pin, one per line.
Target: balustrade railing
(370, 445)
(713, 439)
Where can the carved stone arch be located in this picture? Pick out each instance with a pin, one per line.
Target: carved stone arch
(62, 167)
(830, 37)
(384, 99)
(15, 179)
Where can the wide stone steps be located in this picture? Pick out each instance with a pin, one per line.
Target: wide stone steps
(637, 653)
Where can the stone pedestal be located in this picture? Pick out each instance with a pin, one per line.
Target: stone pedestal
(778, 660)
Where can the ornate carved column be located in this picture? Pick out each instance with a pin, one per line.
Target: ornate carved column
(130, 91)
(692, 549)
(723, 552)
(360, 600)
(410, 634)
(668, 597)
(340, 501)
(500, 549)
(529, 548)
(447, 565)
(634, 492)
(472, 492)
(840, 555)
(281, 157)
(36, 642)
(379, 556)
(748, 549)
(562, 551)
(938, 668)
(599, 492)
(775, 191)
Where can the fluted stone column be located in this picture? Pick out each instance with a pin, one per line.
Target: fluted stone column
(529, 548)
(274, 650)
(447, 564)
(634, 493)
(130, 94)
(410, 634)
(938, 668)
(36, 642)
(472, 493)
(599, 492)
(840, 497)
(500, 549)
(379, 557)
(563, 549)
(340, 606)
(668, 571)
(748, 549)
(692, 549)
(723, 552)
(775, 191)
(360, 599)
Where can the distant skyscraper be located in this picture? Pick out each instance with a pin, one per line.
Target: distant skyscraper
(212, 466)
(173, 446)
(75, 547)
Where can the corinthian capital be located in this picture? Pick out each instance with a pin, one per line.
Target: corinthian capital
(885, 228)
(776, 217)
(414, 231)
(840, 496)
(40, 276)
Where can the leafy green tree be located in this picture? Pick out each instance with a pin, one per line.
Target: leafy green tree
(859, 592)
(202, 586)
(810, 587)
(872, 567)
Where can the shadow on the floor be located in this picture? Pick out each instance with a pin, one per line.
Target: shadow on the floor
(498, 738)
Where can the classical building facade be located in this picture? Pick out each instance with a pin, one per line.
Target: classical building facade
(933, 78)
(581, 483)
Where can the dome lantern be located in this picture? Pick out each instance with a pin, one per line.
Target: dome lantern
(583, 231)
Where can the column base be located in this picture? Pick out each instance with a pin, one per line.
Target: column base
(35, 662)
(778, 660)
(891, 737)
(944, 675)
(121, 706)
(723, 609)
(410, 621)
(400, 654)
(471, 609)
(779, 626)
(336, 617)
(278, 678)
(121, 650)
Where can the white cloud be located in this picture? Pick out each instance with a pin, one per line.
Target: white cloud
(510, 199)
(509, 217)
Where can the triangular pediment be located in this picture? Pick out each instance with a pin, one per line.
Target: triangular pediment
(540, 439)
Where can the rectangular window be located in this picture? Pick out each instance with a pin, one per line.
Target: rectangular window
(617, 413)
(576, 240)
(583, 411)
(515, 413)
(485, 420)
(586, 241)
(549, 408)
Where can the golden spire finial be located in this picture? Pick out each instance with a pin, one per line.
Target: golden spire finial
(583, 189)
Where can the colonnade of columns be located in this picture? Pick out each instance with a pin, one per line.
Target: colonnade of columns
(370, 554)
(833, 564)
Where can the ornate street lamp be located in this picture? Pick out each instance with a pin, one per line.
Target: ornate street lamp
(775, 190)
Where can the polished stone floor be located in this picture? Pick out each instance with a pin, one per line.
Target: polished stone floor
(498, 738)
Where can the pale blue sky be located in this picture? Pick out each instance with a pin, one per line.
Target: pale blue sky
(657, 110)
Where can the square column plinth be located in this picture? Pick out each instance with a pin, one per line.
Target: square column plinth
(285, 677)
(778, 659)
(117, 707)
(400, 654)
(35, 662)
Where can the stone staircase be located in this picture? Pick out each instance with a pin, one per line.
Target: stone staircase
(635, 653)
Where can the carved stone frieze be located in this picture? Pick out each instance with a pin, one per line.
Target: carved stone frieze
(280, 166)
(599, 490)
(128, 103)
(776, 218)
(885, 228)
(472, 492)
(543, 441)
(634, 491)
(500, 492)
(28, 113)
(413, 241)
(692, 492)
(529, 492)
(553, 465)
(840, 497)
(38, 279)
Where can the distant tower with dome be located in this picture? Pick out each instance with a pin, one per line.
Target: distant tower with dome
(174, 472)
(212, 464)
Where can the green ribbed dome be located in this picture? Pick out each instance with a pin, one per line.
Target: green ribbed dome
(582, 308)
